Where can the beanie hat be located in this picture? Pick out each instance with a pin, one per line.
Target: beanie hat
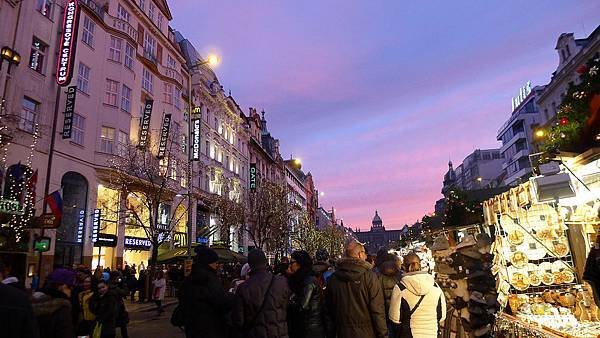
(322, 255)
(62, 276)
(257, 259)
(303, 258)
(205, 256)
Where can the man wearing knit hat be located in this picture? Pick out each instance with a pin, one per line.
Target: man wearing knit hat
(204, 302)
(261, 302)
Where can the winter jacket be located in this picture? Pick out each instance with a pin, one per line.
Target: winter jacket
(16, 314)
(160, 285)
(389, 277)
(424, 321)
(323, 271)
(52, 310)
(106, 310)
(306, 307)
(271, 321)
(205, 304)
(354, 302)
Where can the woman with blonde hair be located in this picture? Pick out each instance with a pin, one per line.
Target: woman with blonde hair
(417, 304)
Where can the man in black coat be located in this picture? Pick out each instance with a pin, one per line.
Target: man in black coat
(16, 314)
(204, 302)
(261, 303)
(353, 299)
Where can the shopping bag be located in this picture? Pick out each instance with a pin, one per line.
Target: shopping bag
(97, 331)
(156, 293)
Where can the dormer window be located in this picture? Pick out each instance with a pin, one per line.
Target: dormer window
(564, 55)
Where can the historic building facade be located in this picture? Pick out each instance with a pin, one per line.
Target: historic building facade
(378, 237)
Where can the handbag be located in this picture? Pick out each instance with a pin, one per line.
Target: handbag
(97, 331)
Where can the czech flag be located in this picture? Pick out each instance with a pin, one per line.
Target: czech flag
(55, 203)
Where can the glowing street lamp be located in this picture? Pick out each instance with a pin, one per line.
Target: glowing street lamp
(213, 60)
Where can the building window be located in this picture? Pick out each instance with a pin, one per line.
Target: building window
(159, 23)
(142, 5)
(168, 93)
(107, 140)
(170, 62)
(149, 47)
(129, 56)
(206, 150)
(83, 78)
(173, 170)
(151, 11)
(37, 55)
(114, 50)
(44, 7)
(88, 31)
(78, 129)
(112, 92)
(126, 98)
(177, 98)
(147, 80)
(183, 181)
(29, 114)
(162, 166)
(213, 150)
(123, 13)
(123, 142)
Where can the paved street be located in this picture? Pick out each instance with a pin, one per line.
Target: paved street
(145, 324)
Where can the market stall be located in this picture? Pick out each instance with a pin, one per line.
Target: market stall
(543, 234)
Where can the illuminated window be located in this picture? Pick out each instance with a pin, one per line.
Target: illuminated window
(126, 98)
(220, 128)
(173, 171)
(184, 142)
(162, 166)
(88, 31)
(107, 140)
(114, 50)
(37, 55)
(83, 78)
(147, 80)
(213, 150)
(28, 114)
(112, 92)
(183, 181)
(78, 129)
(44, 7)
(129, 56)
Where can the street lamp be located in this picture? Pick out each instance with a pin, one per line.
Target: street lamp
(212, 60)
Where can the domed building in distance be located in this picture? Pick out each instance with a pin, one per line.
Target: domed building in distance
(378, 237)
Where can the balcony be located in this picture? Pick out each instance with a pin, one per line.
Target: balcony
(95, 7)
(122, 26)
(171, 73)
(513, 140)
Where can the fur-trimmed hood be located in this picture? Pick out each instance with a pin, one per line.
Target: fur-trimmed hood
(47, 301)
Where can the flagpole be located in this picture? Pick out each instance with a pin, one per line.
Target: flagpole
(48, 174)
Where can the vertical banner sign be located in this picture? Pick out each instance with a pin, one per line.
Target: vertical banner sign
(96, 224)
(145, 123)
(196, 121)
(80, 226)
(68, 42)
(164, 136)
(69, 110)
(253, 176)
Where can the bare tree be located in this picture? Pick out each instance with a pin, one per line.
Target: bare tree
(269, 211)
(151, 185)
(228, 210)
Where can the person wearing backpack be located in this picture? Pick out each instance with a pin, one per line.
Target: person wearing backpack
(417, 303)
(261, 302)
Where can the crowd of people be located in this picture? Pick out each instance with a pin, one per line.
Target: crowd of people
(78, 302)
(301, 297)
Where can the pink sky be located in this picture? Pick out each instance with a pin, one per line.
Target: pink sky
(376, 96)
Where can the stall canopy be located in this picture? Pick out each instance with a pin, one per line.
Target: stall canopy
(180, 254)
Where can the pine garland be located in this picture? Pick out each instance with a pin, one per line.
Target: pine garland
(574, 117)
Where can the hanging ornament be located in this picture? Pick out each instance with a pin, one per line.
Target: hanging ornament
(564, 121)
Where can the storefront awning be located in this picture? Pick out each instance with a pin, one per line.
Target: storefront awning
(180, 254)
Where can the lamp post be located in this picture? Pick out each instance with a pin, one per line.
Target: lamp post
(212, 60)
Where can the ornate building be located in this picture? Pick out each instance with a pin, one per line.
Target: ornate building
(378, 237)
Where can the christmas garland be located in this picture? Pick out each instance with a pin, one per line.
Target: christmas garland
(575, 119)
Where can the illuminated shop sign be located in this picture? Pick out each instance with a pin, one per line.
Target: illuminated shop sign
(96, 224)
(106, 240)
(80, 226)
(145, 123)
(195, 139)
(68, 42)
(11, 207)
(69, 110)
(523, 92)
(137, 243)
(164, 136)
(253, 176)
(180, 239)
